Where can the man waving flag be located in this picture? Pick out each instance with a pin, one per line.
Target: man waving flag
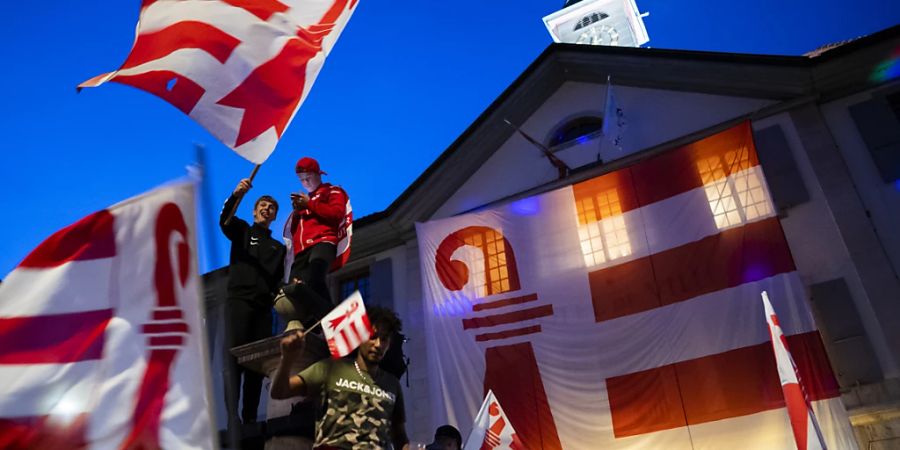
(241, 68)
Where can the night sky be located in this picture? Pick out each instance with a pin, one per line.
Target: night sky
(404, 80)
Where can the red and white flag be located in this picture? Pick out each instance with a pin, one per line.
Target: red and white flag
(346, 326)
(239, 68)
(101, 338)
(803, 419)
(613, 313)
(492, 430)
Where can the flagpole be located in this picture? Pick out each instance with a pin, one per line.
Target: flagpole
(560, 165)
(809, 409)
(238, 202)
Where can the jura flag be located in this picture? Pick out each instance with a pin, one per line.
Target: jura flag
(612, 314)
(803, 420)
(239, 68)
(101, 339)
(346, 326)
(492, 429)
(613, 119)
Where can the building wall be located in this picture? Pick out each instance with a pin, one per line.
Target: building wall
(812, 231)
(653, 117)
(881, 199)
(819, 250)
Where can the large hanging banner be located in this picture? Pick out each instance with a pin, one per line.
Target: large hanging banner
(623, 312)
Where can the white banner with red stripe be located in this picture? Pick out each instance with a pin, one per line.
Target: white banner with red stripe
(803, 419)
(492, 430)
(346, 326)
(240, 69)
(623, 312)
(101, 337)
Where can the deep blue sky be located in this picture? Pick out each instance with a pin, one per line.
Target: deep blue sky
(405, 79)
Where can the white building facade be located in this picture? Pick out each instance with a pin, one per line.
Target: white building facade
(827, 130)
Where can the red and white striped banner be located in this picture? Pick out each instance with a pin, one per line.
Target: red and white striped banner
(803, 420)
(239, 68)
(346, 326)
(101, 342)
(623, 312)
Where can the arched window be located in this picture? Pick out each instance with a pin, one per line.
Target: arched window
(576, 131)
(590, 19)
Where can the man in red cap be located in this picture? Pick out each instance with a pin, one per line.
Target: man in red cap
(318, 225)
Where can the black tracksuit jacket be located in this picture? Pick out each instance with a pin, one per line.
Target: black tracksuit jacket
(257, 260)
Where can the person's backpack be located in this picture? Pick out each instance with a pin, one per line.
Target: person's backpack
(395, 361)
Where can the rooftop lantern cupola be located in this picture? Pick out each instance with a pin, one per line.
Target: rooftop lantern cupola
(598, 22)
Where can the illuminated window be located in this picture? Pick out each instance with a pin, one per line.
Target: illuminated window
(601, 228)
(489, 268)
(737, 198)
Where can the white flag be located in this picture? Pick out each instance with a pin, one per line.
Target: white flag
(492, 429)
(101, 337)
(613, 119)
(803, 420)
(346, 326)
(241, 69)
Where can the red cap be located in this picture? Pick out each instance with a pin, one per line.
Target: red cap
(307, 164)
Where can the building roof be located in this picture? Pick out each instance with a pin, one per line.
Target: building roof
(826, 73)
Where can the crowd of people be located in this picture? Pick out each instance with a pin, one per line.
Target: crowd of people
(361, 404)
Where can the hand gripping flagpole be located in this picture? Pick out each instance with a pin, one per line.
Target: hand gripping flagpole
(238, 202)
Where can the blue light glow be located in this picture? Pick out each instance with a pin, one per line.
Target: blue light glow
(526, 207)
(756, 272)
(582, 139)
(453, 306)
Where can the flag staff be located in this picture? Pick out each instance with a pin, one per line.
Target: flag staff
(238, 202)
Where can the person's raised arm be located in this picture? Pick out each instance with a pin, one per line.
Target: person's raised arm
(284, 383)
(232, 228)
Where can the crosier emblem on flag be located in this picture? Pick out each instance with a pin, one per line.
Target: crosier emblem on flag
(492, 430)
(239, 68)
(101, 341)
(346, 326)
(803, 420)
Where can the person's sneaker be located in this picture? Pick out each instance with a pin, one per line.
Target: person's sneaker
(294, 325)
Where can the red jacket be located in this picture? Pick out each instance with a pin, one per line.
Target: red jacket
(321, 219)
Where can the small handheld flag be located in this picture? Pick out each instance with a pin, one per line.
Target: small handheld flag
(492, 429)
(346, 326)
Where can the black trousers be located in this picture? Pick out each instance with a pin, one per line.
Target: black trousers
(247, 321)
(312, 265)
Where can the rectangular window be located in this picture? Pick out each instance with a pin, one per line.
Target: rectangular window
(358, 282)
(601, 228)
(739, 197)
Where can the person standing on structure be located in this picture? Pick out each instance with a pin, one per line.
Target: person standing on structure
(255, 273)
(319, 231)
